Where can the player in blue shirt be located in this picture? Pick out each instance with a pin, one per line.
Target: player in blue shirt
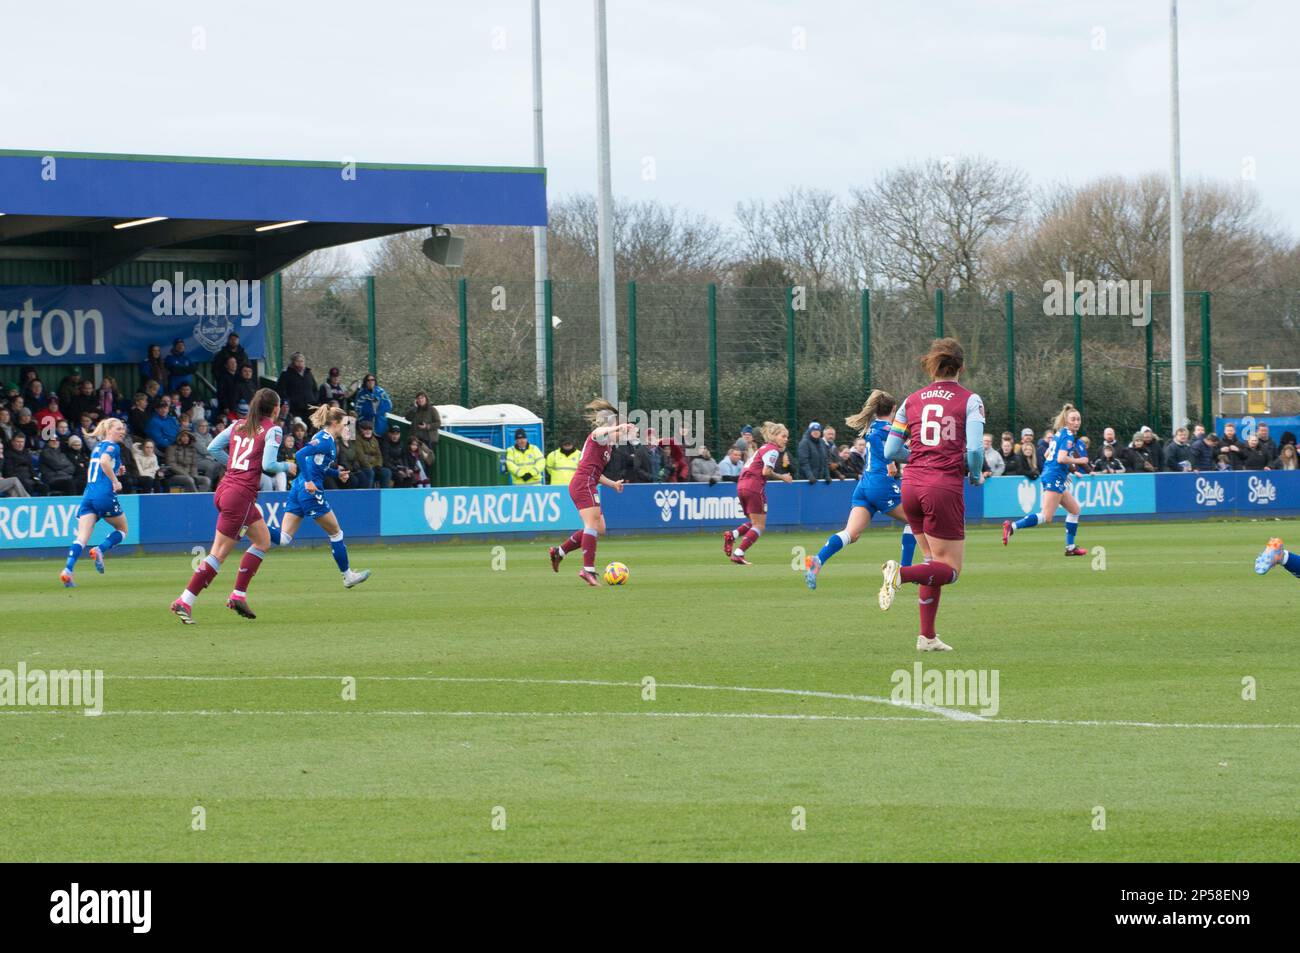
(316, 461)
(877, 490)
(1275, 554)
(99, 501)
(1065, 451)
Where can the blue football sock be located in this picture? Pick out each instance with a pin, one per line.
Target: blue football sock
(833, 545)
(909, 545)
(275, 535)
(1029, 522)
(1291, 563)
(1071, 528)
(74, 553)
(111, 540)
(340, 551)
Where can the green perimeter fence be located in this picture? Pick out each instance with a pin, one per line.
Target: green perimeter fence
(742, 355)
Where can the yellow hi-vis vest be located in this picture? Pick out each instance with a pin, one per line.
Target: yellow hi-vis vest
(524, 466)
(560, 467)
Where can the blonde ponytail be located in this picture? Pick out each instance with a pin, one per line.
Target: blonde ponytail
(770, 430)
(325, 415)
(601, 413)
(879, 404)
(1062, 415)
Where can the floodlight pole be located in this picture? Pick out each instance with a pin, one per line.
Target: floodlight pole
(605, 220)
(540, 266)
(1177, 338)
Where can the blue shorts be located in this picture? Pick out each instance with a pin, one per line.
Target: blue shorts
(1057, 484)
(878, 497)
(101, 507)
(306, 505)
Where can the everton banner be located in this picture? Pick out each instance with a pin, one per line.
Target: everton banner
(109, 324)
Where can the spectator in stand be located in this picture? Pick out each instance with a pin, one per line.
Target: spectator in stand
(221, 360)
(138, 418)
(1252, 457)
(7, 429)
(1136, 459)
(82, 401)
(672, 455)
(297, 386)
(245, 388)
(85, 427)
(418, 458)
(163, 426)
(1205, 452)
(425, 421)
(359, 479)
(35, 396)
(9, 485)
(745, 442)
(854, 462)
(524, 462)
(70, 386)
(1286, 459)
(1155, 452)
(373, 404)
(107, 397)
(20, 465)
(1178, 453)
(47, 418)
(1266, 446)
(1041, 448)
(994, 463)
(58, 473)
(183, 465)
(813, 465)
(208, 466)
(394, 452)
(62, 432)
(333, 391)
(730, 467)
(79, 454)
(630, 462)
(704, 469)
(227, 384)
(154, 366)
(1007, 448)
(180, 369)
(562, 462)
(1230, 447)
(370, 457)
(185, 399)
(148, 471)
(1198, 431)
(1108, 462)
(27, 426)
(656, 455)
(1028, 456)
(1108, 439)
(832, 452)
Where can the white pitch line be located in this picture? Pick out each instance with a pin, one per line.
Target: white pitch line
(741, 715)
(952, 714)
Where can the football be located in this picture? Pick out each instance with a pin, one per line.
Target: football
(616, 574)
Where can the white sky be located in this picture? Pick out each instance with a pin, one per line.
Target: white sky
(715, 91)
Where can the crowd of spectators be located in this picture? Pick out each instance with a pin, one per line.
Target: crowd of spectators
(47, 432)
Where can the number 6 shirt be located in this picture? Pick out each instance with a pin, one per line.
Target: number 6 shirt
(933, 421)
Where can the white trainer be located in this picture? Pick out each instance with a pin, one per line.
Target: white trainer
(352, 578)
(892, 580)
(935, 644)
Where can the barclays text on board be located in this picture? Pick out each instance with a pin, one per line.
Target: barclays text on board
(173, 520)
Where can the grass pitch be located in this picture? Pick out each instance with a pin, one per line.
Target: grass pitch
(513, 698)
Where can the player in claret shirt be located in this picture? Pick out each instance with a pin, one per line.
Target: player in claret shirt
(752, 490)
(254, 443)
(1065, 451)
(943, 423)
(584, 488)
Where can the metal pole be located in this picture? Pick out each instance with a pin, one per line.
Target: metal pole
(713, 364)
(1150, 358)
(1207, 402)
(938, 312)
(1078, 354)
(1177, 340)
(549, 344)
(866, 340)
(462, 302)
(370, 324)
(605, 220)
(633, 390)
(791, 391)
(277, 288)
(542, 316)
(1010, 305)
